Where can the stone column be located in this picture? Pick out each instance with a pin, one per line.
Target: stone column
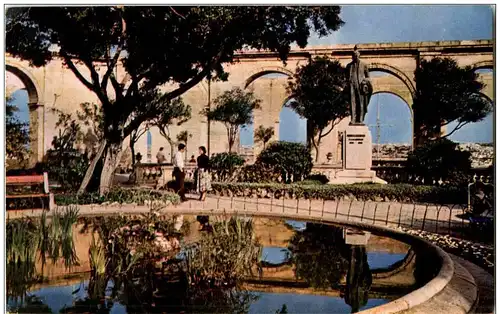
(36, 133)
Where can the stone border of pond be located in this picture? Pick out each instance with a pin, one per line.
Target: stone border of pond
(452, 290)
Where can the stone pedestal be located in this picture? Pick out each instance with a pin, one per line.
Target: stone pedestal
(357, 157)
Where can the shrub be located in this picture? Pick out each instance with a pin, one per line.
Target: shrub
(363, 192)
(224, 165)
(440, 159)
(118, 195)
(292, 161)
(318, 177)
(256, 173)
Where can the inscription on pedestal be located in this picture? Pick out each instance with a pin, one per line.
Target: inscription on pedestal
(357, 148)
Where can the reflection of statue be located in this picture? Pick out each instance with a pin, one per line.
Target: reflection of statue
(358, 280)
(359, 86)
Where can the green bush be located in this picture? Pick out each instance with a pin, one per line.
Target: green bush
(118, 195)
(318, 177)
(365, 192)
(439, 160)
(256, 173)
(290, 160)
(224, 165)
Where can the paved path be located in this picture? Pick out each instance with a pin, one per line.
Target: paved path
(432, 218)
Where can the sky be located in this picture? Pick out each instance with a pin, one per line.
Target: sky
(388, 23)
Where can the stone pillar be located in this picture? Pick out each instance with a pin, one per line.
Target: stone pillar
(36, 133)
(357, 157)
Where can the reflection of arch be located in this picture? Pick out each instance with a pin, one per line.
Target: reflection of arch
(28, 80)
(266, 70)
(487, 64)
(394, 71)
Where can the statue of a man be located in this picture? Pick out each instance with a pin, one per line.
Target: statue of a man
(360, 87)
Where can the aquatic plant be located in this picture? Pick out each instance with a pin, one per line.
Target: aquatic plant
(223, 255)
(29, 239)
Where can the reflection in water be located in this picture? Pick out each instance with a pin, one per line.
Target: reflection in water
(319, 255)
(144, 265)
(359, 278)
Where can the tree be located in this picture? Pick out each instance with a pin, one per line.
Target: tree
(135, 135)
(264, 135)
(188, 44)
(446, 93)
(177, 113)
(318, 97)
(16, 133)
(233, 108)
(183, 137)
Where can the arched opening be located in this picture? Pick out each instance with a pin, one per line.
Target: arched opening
(22, 96)
(481, 131)
(389, 119)
(268, 85)
(292, 127)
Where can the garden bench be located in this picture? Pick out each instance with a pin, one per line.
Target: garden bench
(38, 185)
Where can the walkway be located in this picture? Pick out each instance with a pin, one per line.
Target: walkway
(433, 218)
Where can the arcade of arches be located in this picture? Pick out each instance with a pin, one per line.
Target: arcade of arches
(56, 86)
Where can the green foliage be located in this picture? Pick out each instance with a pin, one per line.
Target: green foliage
(224, 165)
(224, 255)
(256, 173)
(119, 195)
(363, 192)
(446, 93)
(263, 135)
(318, 177)
(64, 162)
(16, 137)
(440, 160)
(287, 159)
(176, 113)
(233, 108)
(31, 239)
(318, 97)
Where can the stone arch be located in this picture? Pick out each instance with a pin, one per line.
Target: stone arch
(383, 91)
(487, 64)
(412, 134)
(395, 72)
(27, 79)
(266, 70)
(36, 110)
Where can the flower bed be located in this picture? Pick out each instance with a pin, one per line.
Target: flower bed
(120, 196)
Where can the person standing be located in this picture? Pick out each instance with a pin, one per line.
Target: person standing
(203, 173)
(360, 87)
(160, 157)
(179, 173)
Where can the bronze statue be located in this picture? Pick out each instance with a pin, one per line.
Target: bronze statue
(360, 87)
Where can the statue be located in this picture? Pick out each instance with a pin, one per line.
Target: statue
(360, 87)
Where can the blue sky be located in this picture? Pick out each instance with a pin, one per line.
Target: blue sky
(389, 23)
(401, 23)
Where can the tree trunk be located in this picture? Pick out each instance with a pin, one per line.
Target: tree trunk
(316, 147)
(113, 156)
(172, 150)
(132, 150)
(91, 168)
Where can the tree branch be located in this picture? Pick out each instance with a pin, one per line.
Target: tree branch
(458, 127)
(77, 73)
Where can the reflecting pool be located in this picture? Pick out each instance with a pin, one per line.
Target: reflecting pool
(216, 265)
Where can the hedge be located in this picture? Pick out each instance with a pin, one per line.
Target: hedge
(118, 195)
(363, 192)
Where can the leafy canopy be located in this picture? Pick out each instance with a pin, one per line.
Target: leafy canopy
(233, 108)
(318, 97)
(445, 93)
(263, 134)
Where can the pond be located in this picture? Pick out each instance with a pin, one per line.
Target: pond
(224, 265)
